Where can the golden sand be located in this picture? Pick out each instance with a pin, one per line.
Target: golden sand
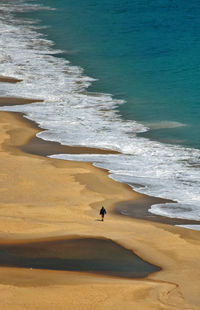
(49, 198)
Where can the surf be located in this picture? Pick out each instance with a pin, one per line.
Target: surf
(72, 115)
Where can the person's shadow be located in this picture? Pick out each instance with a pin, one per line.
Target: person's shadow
(98, 220)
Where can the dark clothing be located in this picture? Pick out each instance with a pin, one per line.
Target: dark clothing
(102, 212)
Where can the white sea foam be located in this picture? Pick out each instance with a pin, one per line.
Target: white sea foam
(73, 116)
(164, 125)
(193, 227)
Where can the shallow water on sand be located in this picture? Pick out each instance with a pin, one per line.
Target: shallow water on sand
(84, 254)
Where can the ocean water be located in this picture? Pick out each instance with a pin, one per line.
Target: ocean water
(120, 75)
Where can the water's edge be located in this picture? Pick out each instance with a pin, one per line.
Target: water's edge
(71, 116)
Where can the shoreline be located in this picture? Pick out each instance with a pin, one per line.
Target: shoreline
(40, 147)
(48, 198)
(134, 209)
(138, 209)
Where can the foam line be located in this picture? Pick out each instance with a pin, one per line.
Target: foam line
(74, 117)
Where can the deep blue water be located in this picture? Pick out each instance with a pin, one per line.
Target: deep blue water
(144, 52)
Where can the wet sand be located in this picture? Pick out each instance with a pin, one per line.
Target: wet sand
(8, 101)
(41, 147)
(139, 209)
(94, 255)
(48, 198)
(7, 79)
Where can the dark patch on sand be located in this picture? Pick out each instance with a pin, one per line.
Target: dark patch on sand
(9, 101)
(139, 209)
(93, 255)
(41, 147)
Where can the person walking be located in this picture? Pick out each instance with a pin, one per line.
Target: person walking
(102, 213)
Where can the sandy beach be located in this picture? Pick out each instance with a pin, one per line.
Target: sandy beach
(49, 199)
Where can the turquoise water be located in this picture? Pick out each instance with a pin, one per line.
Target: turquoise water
(144, 52)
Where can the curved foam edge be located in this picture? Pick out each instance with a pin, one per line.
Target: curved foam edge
(193, 227)
(164, 125)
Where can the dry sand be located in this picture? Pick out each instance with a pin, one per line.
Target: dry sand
(49, 198)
